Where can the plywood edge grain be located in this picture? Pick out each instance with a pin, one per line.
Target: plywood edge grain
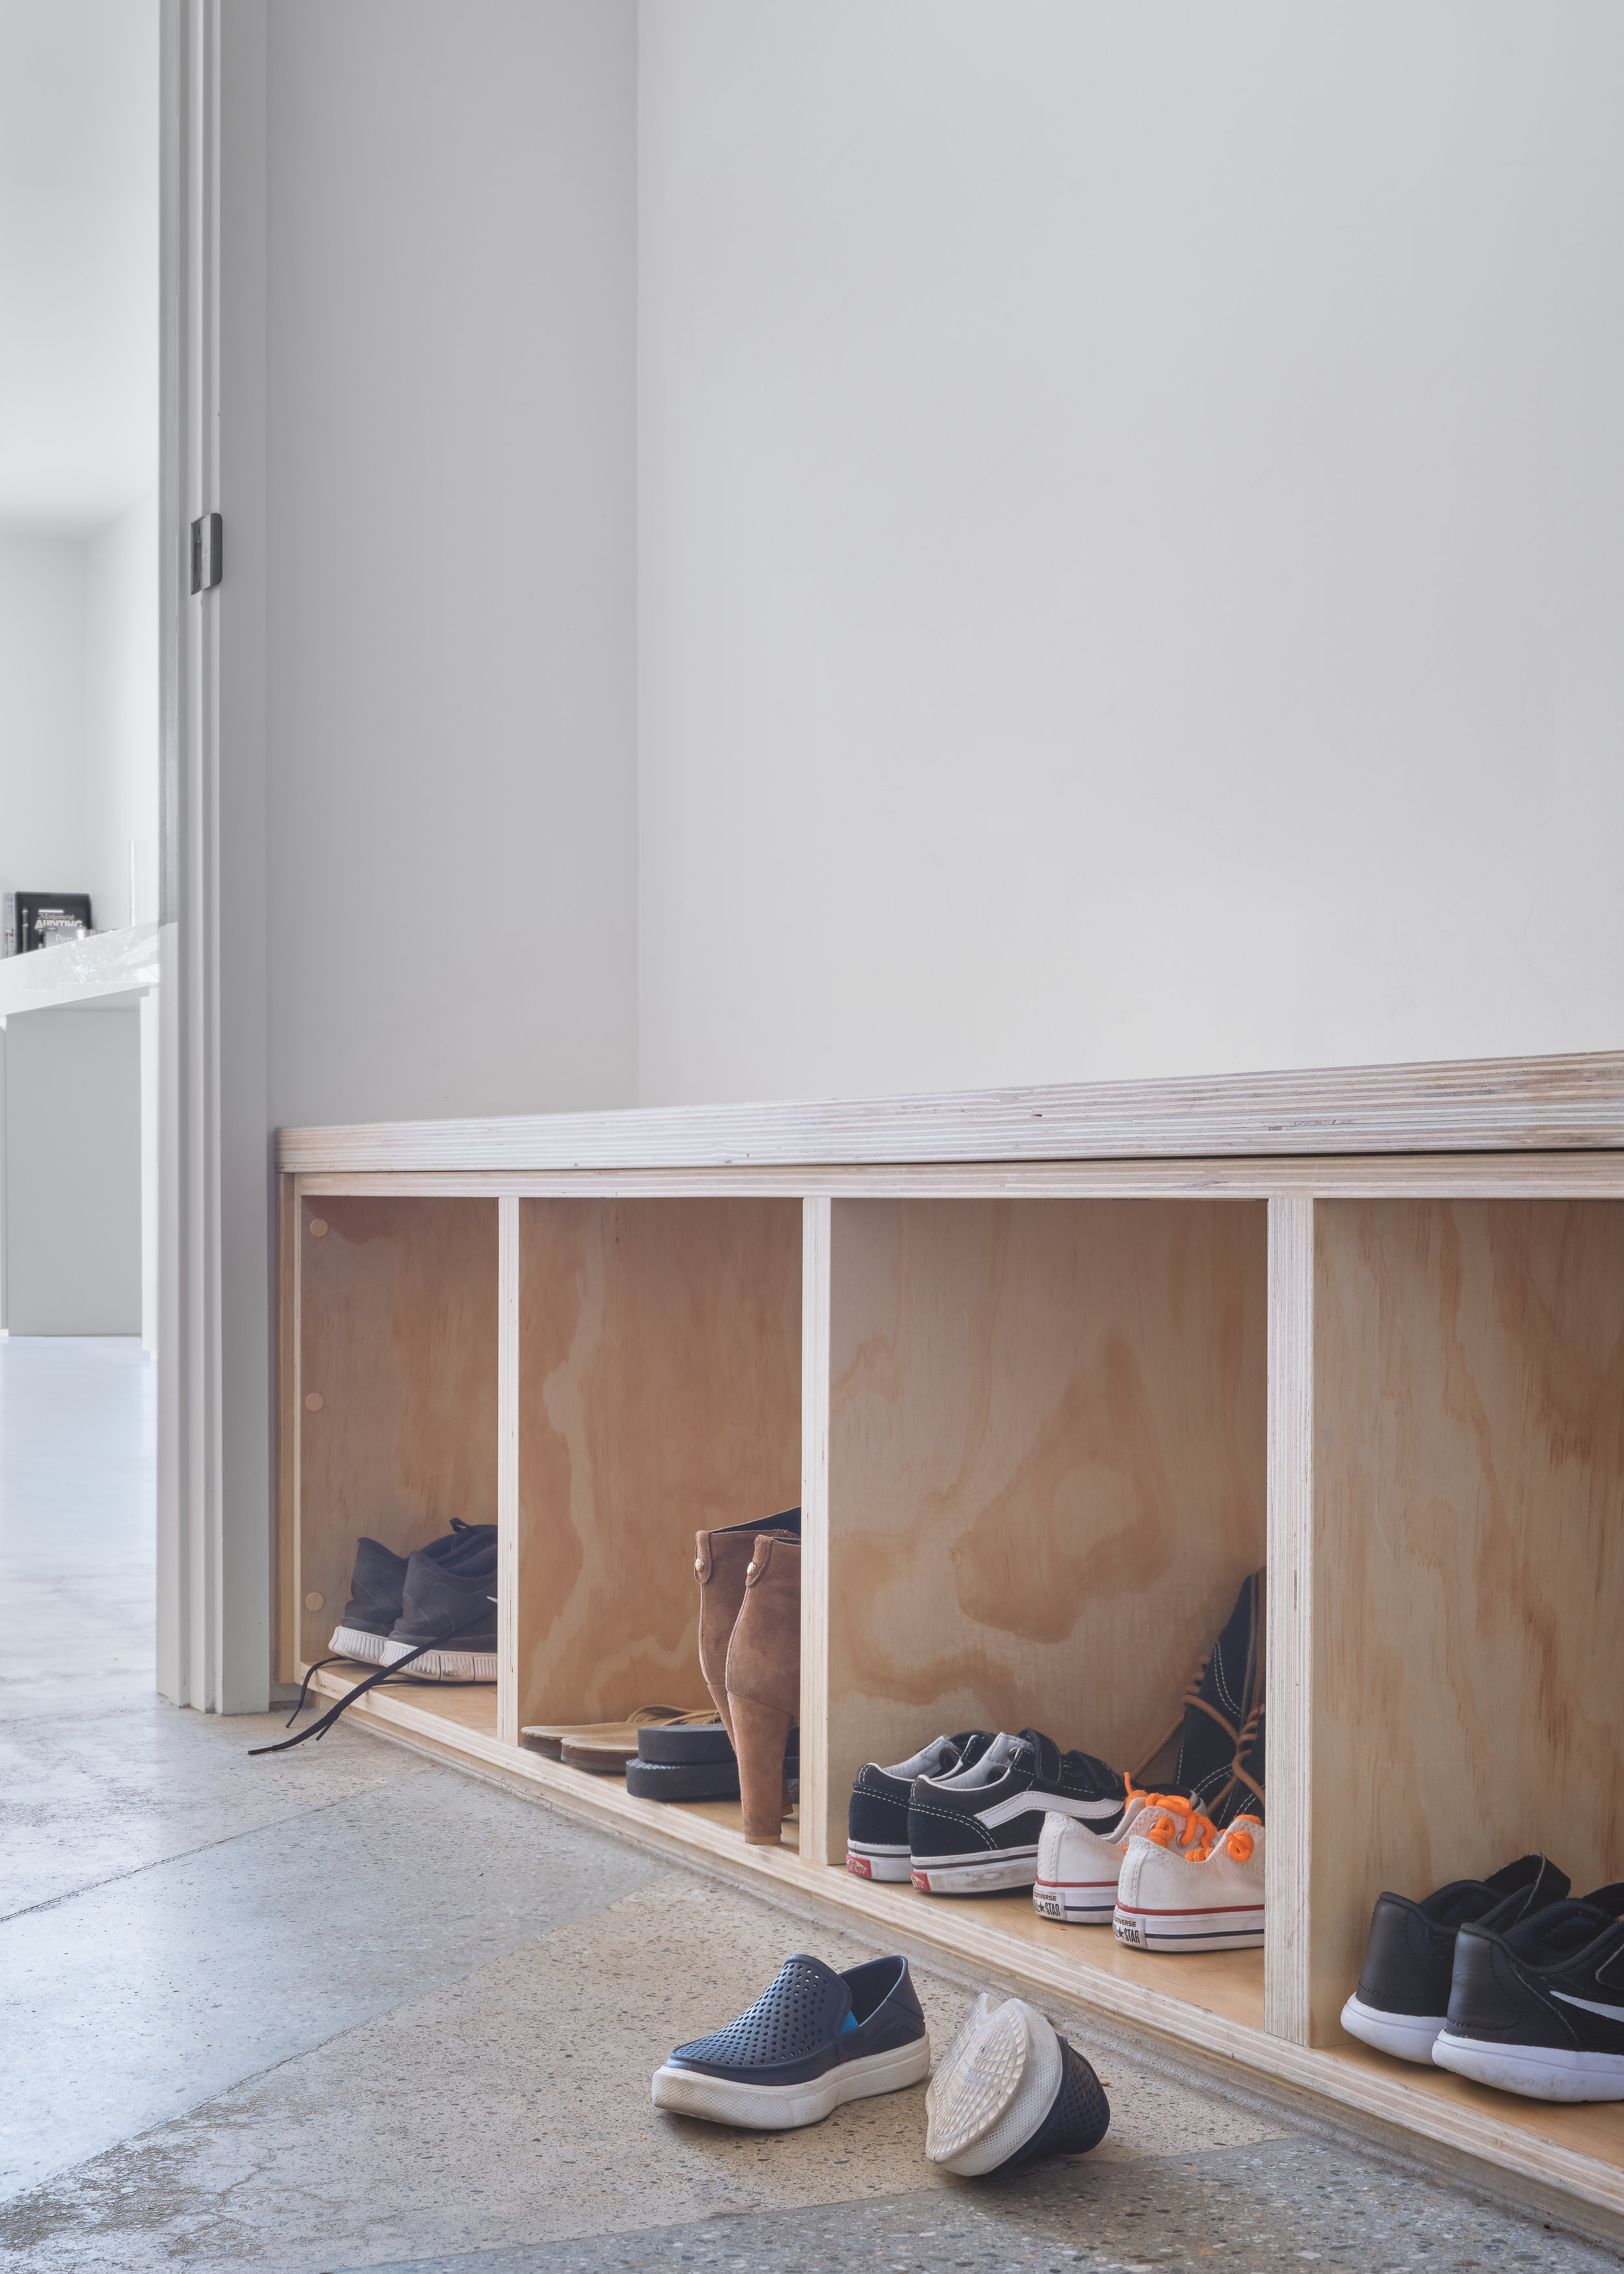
(1491, 1104)
(819, 1829)
(507, 1471)
(1036, 1969)
(1287, 1857)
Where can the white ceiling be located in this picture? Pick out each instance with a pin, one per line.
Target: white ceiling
(78, 261)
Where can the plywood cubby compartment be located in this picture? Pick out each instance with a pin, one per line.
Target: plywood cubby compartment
(1047, 1447)
(659, 1393)
(1468, 1554)
(1050, 1373)
(395, 1401)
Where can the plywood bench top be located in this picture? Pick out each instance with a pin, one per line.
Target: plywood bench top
(1481, 1105)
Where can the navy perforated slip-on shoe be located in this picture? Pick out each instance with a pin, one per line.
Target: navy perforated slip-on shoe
(1403, 1991)
(812, 2040)
(1008, 2089)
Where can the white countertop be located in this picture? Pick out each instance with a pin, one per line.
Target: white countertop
(106, 963)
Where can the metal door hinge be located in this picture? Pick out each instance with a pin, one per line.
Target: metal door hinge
(207, 543)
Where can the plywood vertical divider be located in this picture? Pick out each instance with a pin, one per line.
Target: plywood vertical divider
(1290, 1777)
(284, 1643)
(823, 1821)
(507, 1537)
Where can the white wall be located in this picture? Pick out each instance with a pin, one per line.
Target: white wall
(42, 714)
(1130, 554)
(73, 1172)
(451, 767)
(121, 697)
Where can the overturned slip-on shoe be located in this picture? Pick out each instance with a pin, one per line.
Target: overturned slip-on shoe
(1009, 2089)
(813, 2039)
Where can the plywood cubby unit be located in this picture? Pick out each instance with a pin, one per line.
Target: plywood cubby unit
(1049, 1372)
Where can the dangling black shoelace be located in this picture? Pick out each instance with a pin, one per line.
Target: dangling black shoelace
(383, 1674)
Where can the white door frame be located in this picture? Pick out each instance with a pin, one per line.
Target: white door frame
(215, 1536)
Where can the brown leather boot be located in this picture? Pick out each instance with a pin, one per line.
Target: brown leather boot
(764, 1682)
(720, 1558)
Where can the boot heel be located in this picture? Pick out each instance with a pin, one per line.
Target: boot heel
(761, 1734)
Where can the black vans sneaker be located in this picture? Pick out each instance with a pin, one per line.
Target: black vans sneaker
(451, 1604)
(1227, 1692)
(812, 2040)
(978, 1830)
(876, 1840)
(1403, 1991)
(1540, 2010)
(377, 1583)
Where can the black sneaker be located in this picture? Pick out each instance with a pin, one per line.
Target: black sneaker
(978, 1830)
(876, 1839)
(449, 1603)
(1244, 1795)
(1009, 2089)
(1540, 2010)
(1403, 1991)
(813, 2039)
(1227, 1691)
(377, 1583)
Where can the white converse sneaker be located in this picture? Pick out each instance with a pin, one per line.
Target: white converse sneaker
(1186, 1886)
(1079, 1864)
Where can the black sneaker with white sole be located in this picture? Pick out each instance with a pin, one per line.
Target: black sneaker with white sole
(1540, 2010)
(977, 1831)
(813, 2039)
(1403, 1991)
(377, 1583)
(876, 1841)
(450, 1606)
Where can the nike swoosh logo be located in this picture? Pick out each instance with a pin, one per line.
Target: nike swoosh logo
(1612, 2013)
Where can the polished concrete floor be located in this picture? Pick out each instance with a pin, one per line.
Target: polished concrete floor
(347, 2009)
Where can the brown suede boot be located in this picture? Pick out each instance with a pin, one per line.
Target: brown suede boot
(764, 1682)
(720, 1558)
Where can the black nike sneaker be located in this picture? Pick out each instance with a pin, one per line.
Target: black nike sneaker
(1540, 2010)
(1226, 1694)
(977, 1830)
(876, 1840)
(448, 1603)
(377, 1583)
(1403, 1991)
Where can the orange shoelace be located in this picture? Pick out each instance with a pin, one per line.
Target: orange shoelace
(1238, 1839)
(1180, 1822)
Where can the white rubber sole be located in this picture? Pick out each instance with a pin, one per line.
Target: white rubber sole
(1072, 1902)
(355, 1642)
(996, 2083)
(984, 1879)
(1172, 1931)
(1407, 2037)
(878, 1863)
(784, 2107)
(445, 1665)
(1537, 2072)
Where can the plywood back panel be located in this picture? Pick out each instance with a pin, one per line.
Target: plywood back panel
(1046, 1465)
(660, 1373)
(397, 1339)
(1469, 1552)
